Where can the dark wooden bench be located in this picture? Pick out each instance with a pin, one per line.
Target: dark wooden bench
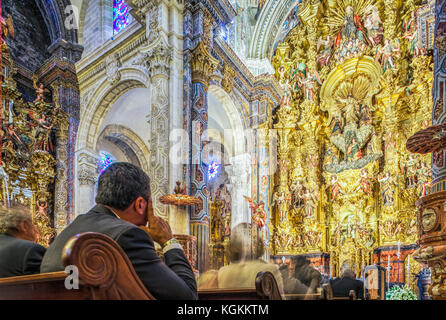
(106, 273)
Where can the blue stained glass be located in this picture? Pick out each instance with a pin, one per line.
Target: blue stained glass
(213, 170)
(121, 15)
(105, 162)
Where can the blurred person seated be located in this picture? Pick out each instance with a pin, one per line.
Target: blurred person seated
(124, 207)
(19, 252)
(293, 288)
(341, 286)
(307, 275)
(243, 268)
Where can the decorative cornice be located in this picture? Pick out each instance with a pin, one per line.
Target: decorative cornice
(202, 63)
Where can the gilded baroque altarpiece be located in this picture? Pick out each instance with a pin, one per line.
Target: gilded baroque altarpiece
(358, 83)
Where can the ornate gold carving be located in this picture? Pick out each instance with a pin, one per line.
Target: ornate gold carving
(345, 178)
(228, 78)
(203, 64)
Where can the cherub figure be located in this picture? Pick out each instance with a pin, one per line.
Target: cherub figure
(40, 91)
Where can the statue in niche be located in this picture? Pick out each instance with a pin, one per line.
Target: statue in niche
(373, 24)
(297, 193)
(281, 201)
(424, 178)
(387, 189)
(336, 188)
(286, 100)
(43, 135)
(365, 182)
(309, 84)
(258, 215)
(410, 169)
(310, 199)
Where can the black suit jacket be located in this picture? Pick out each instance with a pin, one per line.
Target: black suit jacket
(341, 287)
(19, 257)
(171, 280)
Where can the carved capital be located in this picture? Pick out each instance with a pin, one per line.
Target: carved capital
(88, 169)
(159, 57)
(203, 64)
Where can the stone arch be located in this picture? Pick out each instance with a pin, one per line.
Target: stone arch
(103, 98)
(267, 27)
(235, 115)
(126, 138)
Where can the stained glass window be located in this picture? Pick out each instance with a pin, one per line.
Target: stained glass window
(105, 161)
(121, 15)
(213, 170)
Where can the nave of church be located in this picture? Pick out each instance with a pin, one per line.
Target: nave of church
(303, 138)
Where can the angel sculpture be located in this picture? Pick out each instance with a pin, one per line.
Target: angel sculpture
(40, 91)
(373, 24)
(324, 55)
(365, 182)
(43, 135)
(7, 28)
(386, 54)
(336, 188)
(281, 201)
(309, 84)
(258, 215)
(411, 34)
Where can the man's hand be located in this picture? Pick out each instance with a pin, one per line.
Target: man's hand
(158, 228)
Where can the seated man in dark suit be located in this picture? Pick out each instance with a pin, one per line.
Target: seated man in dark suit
(124, 206)
(19, 254)
(341, 287)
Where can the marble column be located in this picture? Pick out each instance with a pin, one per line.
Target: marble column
(87, 175)
(159, 59)
(203, 65)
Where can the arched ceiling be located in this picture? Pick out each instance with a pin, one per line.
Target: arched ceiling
(258, 27)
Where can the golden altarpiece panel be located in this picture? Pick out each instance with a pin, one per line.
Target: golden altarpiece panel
(358, 84)
(29, 134)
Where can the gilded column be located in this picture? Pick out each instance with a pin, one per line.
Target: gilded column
(203, 65)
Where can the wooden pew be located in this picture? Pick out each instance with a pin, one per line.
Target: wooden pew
(106, 273)
(265, 289)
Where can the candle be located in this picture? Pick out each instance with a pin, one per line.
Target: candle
(408, 264)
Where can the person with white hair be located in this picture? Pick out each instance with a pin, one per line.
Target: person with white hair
(19, 252)
(341, 287)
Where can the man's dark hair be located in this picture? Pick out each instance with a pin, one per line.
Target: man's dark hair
(121, 184)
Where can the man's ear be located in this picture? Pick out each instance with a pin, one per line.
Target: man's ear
(140, 206)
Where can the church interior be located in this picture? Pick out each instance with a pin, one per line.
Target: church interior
(317, 125)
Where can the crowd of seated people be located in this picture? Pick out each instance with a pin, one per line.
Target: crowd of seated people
(124, 212)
